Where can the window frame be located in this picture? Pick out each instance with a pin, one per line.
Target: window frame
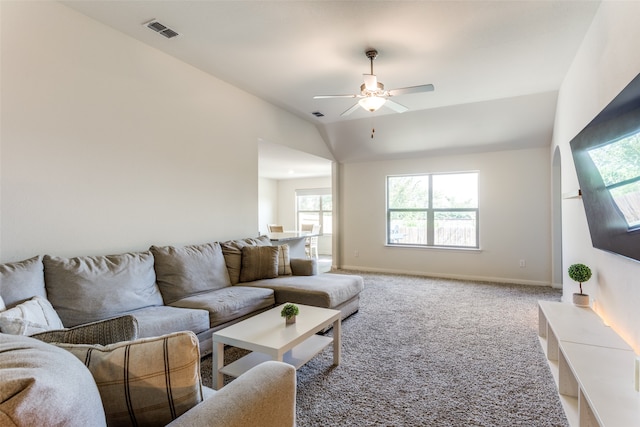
(430, 214)
(617, 184)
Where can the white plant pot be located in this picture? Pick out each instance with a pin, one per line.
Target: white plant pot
(581, 300)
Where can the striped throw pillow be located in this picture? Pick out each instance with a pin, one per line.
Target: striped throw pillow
(284, 263)
(259, 262)
(147, 382)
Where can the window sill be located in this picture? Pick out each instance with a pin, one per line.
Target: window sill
(434, 248)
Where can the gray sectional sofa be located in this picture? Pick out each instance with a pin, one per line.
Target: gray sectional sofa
(199, 288)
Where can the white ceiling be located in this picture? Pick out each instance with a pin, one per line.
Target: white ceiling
(496, 65)
(275, 161)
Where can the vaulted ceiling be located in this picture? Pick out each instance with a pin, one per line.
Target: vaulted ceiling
(496, 65)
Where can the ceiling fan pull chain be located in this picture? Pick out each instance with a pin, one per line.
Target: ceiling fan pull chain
(373, 129)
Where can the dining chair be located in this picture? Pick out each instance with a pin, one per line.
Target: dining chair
(311, 244)
(273, 228)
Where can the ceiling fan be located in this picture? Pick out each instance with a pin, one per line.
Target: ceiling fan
(372, 94)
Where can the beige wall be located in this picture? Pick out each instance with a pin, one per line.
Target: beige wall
(606, 62)
(109, 145)
(514, 218)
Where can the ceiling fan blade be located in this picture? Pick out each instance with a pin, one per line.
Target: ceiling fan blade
(398, 108)
(334, 96)
(370, 82)
(411, 89)
(351, 110)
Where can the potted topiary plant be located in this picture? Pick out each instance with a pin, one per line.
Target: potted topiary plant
(580, 273)
(290, 311)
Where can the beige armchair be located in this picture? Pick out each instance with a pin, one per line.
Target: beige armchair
(264, 396)
(126, 383)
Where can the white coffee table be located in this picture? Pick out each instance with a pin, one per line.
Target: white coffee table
(269, 338)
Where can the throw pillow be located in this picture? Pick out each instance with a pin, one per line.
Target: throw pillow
(147, 382)
(259, 262)
(284, 263)
(30, 317)
(43, 385)
(104, 332)
(189, 270)
(19, 281)
(232, 251)
(90, 288)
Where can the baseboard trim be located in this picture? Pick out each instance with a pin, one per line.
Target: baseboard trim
(449, 276)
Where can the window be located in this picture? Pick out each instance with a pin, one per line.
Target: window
(314, 206)
(439, 210)
(618, 163)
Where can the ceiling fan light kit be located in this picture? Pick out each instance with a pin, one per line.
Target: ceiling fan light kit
(372, 94)
(372, 103)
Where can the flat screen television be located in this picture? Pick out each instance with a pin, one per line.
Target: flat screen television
(606, 154)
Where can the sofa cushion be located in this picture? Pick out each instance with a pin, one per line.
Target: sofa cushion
(189, 270)
(43, 385)
(159, 320)
(147, 382)
(3, 307)
(259, 262)
(284, 261)
(90, 288)
(326, 290)
(229, 303)
(30, 317)
(232, 251)
(19, 281)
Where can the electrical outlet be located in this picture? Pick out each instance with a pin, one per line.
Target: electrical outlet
(356, 253)
(523, 263)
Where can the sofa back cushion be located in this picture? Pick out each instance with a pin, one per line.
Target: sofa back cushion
(232, 251)
(147, 382)
(189, 270)
(20, 281)
(91, 288)
(43, 385)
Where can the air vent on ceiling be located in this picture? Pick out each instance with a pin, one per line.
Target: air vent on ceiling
(161, 29)
(318, 114)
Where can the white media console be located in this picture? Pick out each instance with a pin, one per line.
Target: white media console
(594, 368)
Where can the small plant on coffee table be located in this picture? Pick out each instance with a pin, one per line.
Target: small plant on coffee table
(290, 311)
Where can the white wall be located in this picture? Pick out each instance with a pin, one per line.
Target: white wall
(514, 218)
(109, 145)
(606, 62)
(267, 203)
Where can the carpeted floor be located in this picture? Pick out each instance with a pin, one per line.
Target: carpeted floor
(432, 352)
